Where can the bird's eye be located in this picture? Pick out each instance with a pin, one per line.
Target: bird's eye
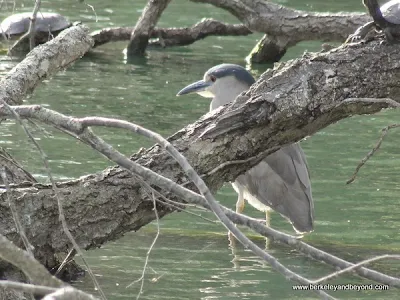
(213, 78)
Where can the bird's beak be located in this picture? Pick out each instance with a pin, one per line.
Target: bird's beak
(196, 87)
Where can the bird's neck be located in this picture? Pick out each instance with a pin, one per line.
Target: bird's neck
(373, 8)
(227, 95)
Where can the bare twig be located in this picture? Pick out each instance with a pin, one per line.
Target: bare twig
(200, 184)
(27, 287)
(176, 205)
(141, 279)
(68, 258)
(355, 266)
(15, 215)
(185, 261)
(75, 128)
(385, 131)
(186, 211)
(68, 293)
(29, 248)
(19, 174)
(259, 156)
(32, 29)
(28, 264)
(58, 197)
(93, 10)
(20, 228)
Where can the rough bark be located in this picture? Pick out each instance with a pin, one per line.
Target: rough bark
(294, 100)
(145, 25)
(285, 27)
(167, 37)
(15, 173)
(268, 49)
(186, 36)
(280, 21)
(43, 62)
(36, 273)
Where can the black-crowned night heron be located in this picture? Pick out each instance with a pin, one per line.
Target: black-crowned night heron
(386, 17)
(281, 181)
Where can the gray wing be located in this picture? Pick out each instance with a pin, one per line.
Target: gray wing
(391, 12)
(282, 182)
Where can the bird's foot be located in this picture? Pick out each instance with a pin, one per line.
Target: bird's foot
(361, 34)
(262, 221)
(392, 34)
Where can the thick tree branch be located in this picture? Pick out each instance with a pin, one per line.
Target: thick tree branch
(43, 62)
(27, 287)
(186, 36)
(294, 25)
(53, 293)
(167, 37)
(58, 196)
(36, 272)
(145, 25)
(283, 27)
(14, 171)
(296, 99)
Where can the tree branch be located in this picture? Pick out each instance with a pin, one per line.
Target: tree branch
(37, 273)
(27, 287)
(32, 29)
(43, 62)
(355, 266)
(77, 127)
(168, 37)
(385, 131)
(294, 100)
(25, 262)
(144, 26)
(294, 25)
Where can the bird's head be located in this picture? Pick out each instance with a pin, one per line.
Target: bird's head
(222, 82)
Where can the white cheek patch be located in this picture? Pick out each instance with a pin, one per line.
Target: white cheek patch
(206, 94)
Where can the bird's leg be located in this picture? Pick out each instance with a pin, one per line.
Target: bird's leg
(240, 202)
(267, 223)
(391, 30)
(268, 218)
(239, 209)
(361, 33)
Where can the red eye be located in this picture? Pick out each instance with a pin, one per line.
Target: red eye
(213, 78)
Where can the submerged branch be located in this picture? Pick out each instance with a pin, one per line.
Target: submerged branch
(167, 37)
(141, 33)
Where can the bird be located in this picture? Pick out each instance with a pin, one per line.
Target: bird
(281, 181)
(385, 17)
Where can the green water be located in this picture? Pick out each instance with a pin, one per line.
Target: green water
(191, 259)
